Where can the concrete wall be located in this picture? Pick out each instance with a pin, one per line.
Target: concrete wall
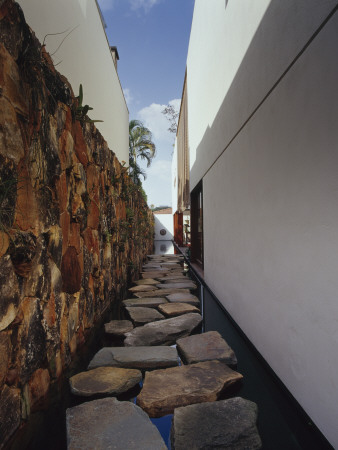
(164, 222)
(84, 58)
(270, 199)
(174, 180)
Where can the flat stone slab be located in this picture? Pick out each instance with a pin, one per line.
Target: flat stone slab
(177, 285)
(118, 327)
(153, 274)
(163, 332)
(141, 315)
(142, 288)
(151, 302)
(104, 380)
(148, 281)
(183, 297)
(165, 390)
(142, 358)
(161, 293)
(226, 424)
(177, 309)
(205, 347)
(110, 424)
(171, 278)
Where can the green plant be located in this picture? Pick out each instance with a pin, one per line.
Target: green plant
(80, 111)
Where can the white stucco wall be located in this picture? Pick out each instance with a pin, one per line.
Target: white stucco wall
(270, 199)
(174, 179)
(84, 58)
(239, 52)
(164, 221)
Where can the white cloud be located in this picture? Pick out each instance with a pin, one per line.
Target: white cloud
(128, 96)
(158, 182)
(146, 5)
(153, 118)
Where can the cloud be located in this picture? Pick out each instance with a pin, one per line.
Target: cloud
(158, 182)
(146, 5)
(128, 96)
(153, 118)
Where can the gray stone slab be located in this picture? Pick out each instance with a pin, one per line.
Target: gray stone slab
(118, 327)
(177, 285)
(141, 315)
(104, 380)
(148, 281)
(142, 288)
(177, 309)
(163, 332)
(161, 293)
(226, 424)
(146, 302)
(152, 274)
(170, 278)
(183, 297)
(109, 424)
(142, 358)
(205, 347)
(165, 390)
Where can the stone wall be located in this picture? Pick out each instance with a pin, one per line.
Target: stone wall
(74, 229)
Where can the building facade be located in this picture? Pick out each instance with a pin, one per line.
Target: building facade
(84, 57)
(262, 110)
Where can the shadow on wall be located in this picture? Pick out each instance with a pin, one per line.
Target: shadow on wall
(164, 228)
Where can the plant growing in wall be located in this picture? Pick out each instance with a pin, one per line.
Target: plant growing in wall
(80, 111)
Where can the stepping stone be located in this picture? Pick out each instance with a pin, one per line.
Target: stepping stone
(142, 358)
(224, 424)
(146, 302)
(140, 315)
(148, 281)
(183, 297)
(142, 288)
(161, 293)
(205, 347)
(107, 424)
(146, 274)
(104, 380)
(165, 390)
(170, 278)
(177, 309)
(163, 332)
(118, 327)
(178, 285)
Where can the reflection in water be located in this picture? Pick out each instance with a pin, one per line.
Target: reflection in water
(163, 247)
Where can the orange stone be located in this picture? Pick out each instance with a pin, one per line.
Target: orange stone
(74, 239)
(62, 193)
(71, 271)
(38, 388)
(80, 144)
(65, 227)
(26, 216)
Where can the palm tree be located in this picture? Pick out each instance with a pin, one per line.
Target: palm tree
(140, 146)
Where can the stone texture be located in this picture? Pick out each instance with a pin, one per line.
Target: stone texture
(205, 347)
(177, 309)
(152, 274)
(163, 332)
(161, 293)
(9, 292)
(5, 353)
(118, 327)
(196, 383)
(177, 285)
(142, 358)
(224, 424)
(108, 424)
(148, 281)
(152, 302)
(71, 271)
(142, 288)
(38, 389)
(10, 413)
(104, 380)
(140, 315)
(183, 297)
(173, 278)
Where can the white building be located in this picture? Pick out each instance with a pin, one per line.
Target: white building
(84, 58)
(263, 137)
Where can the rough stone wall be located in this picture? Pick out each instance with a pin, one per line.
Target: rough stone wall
(74, 229)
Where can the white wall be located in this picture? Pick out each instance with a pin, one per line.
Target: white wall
(246, 46)
(165, 222)
(84, 58)
(174, 179)
(270, 199)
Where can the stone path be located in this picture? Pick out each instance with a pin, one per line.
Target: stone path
(187, 380)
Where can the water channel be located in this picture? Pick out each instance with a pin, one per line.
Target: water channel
(282, 424)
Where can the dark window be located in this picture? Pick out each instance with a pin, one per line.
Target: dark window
(197, 225)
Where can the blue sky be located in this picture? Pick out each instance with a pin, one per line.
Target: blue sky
(152, 39)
